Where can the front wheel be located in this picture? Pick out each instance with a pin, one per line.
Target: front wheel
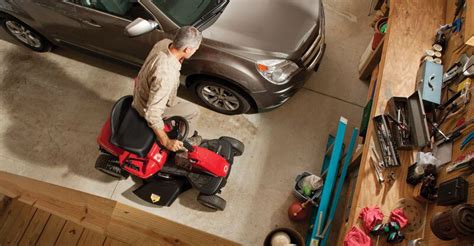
(26, 35)
(237, 146)
(213, 201)
(220, 97)
(109, 165)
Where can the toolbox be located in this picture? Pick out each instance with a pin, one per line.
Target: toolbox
(409, 111)
(453, 192)
(386, 144)
(429, 82)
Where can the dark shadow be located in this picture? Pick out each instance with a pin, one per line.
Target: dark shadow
(102, 62)
(53, 119)
(128, 194)
(189, 200)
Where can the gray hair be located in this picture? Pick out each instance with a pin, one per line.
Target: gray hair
(187, 37)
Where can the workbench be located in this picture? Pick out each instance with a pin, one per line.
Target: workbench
(411, 29)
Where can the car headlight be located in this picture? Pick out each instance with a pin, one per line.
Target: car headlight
(276, 71)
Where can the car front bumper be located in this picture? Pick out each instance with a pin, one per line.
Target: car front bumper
(276, 96)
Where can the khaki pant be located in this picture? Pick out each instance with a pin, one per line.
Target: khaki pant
(187, 110)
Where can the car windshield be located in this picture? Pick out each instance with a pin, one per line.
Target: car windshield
(186, 12)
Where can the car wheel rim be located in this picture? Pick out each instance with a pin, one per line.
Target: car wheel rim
(23, 34)
(220, 98)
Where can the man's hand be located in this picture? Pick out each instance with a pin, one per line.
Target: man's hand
(170, 144)
(174, 145)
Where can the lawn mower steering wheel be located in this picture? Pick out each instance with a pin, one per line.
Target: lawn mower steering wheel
(179, 127)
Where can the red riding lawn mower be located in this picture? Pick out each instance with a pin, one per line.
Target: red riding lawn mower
(129, 146)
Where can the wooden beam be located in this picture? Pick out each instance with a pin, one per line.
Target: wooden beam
(112, 242)
(35, 228)
(91, 238)
(16, 224)
(51, 231)
(79, 207)
(70, 234)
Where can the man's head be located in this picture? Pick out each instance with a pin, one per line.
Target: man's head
(187, 41)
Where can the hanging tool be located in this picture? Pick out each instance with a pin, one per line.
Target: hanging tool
(459, 6)
(377, 165)
(460, 70)
(435, 127)
(467, 140)
(456, 132)
(387, 146)
(378, 172)
(462, 162)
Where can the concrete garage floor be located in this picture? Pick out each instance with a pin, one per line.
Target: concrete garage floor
(52, 106)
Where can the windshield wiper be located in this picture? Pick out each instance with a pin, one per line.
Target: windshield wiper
(211, 14)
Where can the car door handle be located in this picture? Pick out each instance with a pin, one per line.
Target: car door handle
(91, 23)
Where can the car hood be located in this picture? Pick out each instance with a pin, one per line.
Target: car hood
(274, 27)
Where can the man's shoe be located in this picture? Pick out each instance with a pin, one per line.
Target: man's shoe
(195, 140)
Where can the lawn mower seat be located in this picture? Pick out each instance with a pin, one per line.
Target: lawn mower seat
(129, 130)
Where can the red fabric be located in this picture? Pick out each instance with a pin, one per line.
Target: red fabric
(399, 216)
(370, 217)
(356, 237)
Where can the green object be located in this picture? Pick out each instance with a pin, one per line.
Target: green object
(378, 229)
(306, 190)
(365, 118)
(396, 227)
(383, 28)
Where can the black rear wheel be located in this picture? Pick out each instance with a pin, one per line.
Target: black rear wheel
(109, 164)
(213, 201)
(26, 35)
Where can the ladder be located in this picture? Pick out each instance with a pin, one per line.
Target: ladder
(321, 218)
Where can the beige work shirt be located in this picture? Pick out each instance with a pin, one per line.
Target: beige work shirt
(156, 85)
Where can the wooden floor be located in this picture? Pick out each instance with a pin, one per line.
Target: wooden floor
(23, 224)
(38, 213)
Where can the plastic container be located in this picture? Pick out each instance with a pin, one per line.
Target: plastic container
(295, 237)
(297, 189)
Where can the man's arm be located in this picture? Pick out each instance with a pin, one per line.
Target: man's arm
(156, 104)
(170, 144)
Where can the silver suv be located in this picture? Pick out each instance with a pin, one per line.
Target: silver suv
(255, 54)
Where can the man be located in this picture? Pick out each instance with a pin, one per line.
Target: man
(156, 86)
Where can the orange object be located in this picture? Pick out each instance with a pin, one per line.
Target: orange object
(262, 67)
(298, 211)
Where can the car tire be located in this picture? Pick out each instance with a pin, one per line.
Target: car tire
(213, 201)
(221, 98)
(109, 165)
(238, 146)
(25, 35)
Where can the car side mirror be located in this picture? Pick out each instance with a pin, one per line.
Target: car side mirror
(139, 27)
